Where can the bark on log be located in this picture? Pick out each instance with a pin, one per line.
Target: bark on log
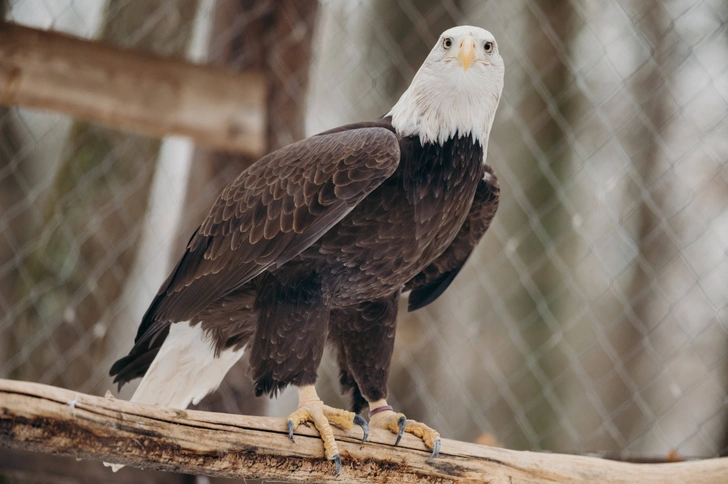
(52, 420)
(23, 467)
(130, 90)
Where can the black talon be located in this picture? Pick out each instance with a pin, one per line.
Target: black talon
(364, 427)
(337, 460)
(435, 451)
(290, 431)
(402, 424)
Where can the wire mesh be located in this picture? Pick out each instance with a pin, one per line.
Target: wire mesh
(594, 314)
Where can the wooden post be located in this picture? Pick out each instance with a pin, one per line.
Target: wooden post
(52, 420)
(143, 93)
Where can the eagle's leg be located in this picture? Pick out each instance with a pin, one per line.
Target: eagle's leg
(287, 349)
(382, 416)
(312, 409)
(364, 338)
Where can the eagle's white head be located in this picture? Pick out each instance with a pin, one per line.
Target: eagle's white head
(456, 91)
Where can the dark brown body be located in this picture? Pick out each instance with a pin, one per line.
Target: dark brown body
(413, 231)
(396, 231)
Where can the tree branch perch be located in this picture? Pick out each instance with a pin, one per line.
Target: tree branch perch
(52, 420)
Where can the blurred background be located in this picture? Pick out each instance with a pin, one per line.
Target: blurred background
(593, 316)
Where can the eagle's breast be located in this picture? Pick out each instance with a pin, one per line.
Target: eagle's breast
(403, 225)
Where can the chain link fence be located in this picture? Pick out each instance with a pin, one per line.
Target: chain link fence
(594, 314)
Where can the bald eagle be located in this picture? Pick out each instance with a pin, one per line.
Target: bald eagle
(315, 243)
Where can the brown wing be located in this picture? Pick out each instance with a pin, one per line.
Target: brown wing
(273, 211)
(429, 284)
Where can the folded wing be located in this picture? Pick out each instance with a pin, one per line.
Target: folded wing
(429, 284)
(272, 212)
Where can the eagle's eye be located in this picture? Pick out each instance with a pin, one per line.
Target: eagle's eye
(447, 42)
(489, 47)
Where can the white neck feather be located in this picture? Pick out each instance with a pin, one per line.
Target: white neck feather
(440, 105)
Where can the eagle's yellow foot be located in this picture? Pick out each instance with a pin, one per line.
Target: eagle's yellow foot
(383, 417)
(312, 409)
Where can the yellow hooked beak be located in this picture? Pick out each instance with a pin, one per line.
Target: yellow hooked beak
(466, 52)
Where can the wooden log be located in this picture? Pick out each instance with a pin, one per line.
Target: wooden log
(52, 420)
(133, 91)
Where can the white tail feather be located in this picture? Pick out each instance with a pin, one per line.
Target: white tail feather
(184, 371)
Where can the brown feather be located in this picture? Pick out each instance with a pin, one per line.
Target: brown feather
(243, 219)
(429, 284)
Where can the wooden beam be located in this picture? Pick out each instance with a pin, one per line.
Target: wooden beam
(132, 91)
(52, 420)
